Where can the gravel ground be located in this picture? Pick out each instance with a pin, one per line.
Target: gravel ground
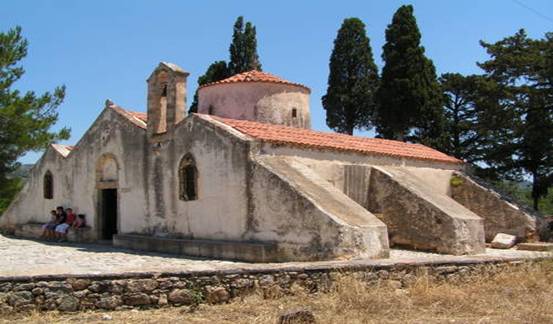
(28, 257)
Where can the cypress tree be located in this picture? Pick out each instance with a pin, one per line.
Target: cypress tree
(243, 49)
(409, 100)
(353, 80)
(243, 58)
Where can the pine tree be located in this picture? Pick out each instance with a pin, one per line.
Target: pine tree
(409, 101)
(522, 117)
(243, 49)
(352, 81)
(25, 118)
(463, 135)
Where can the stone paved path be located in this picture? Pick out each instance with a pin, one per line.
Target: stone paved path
(20, 257)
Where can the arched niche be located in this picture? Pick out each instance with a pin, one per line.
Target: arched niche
(188, 178)
(107, 172)
(48, 185)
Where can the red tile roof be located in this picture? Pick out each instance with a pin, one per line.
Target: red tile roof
(62, 149)
(301, 137)
(139, 119)
(255, 76)
(140, 115)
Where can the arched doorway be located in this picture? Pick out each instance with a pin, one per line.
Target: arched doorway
(107, 183)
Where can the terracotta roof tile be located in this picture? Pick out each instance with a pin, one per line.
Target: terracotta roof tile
(301, 137)
(254, 76)
(139, 119)
(320, 140)
(62, 149)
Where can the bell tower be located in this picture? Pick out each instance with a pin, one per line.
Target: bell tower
(166, 100)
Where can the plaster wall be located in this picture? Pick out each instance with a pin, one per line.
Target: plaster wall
(258, 101)
(75, 178)
(321, 157)
(500, 216)
(221, 207)
(438, 180)
(419, 217)
(308, 217)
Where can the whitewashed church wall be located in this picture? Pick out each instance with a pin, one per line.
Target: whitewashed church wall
(221, 208)
(75, 176)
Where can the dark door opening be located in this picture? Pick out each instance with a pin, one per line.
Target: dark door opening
(109, 213)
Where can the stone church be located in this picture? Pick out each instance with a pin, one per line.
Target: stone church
(247, 179)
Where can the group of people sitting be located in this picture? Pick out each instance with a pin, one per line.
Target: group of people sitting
(60, 222)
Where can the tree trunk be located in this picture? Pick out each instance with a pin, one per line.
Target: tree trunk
(535, 195)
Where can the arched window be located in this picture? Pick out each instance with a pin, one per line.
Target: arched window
(188, 178)
(48, 189)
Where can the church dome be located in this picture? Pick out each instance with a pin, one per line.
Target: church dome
(255, 76)
(257, 96)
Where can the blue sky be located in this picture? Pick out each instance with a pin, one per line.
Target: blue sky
(106, 49)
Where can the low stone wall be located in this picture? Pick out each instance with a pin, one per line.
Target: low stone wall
(143, 290)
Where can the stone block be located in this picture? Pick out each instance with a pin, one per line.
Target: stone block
(297, 316)
(137, 299)
(142, 285)
(111, 302)
(538, 246)
(79, 284)
(503, 241)
(68, 304)
(181, 296)
(19, 298)
(217, 295)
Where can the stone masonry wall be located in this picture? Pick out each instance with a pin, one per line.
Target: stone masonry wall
(154, 290)
(500, 215)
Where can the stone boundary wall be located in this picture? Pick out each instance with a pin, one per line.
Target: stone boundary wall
(153, 290)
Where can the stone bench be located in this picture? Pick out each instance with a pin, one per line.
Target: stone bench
(34, 231)
(214, 249)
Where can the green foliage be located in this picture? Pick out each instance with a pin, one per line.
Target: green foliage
(349, 101)
(466, 100)
(409, 102)
(8, 191)
(520, 120)
(243, 58)
(456, 181)
(243, 49)
(523, 193)
(25, 118)
(215, 72)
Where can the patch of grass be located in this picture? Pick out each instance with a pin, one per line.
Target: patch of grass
(518, 294)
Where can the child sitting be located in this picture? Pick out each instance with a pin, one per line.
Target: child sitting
(79, 222)
(61, 229)
(48, 228)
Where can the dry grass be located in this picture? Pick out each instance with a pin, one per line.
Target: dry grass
(521, 294)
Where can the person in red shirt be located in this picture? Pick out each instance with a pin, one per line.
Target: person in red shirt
(61, 230)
